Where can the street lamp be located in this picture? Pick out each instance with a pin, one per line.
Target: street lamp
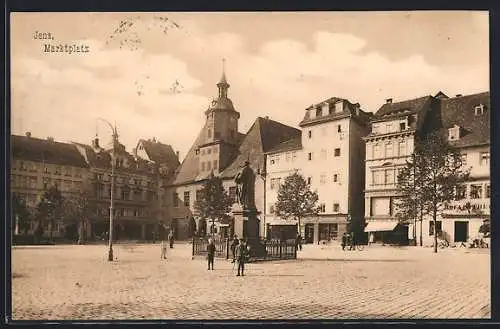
(111, 207)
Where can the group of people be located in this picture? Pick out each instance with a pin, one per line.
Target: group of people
(348, 241)
(240, 252)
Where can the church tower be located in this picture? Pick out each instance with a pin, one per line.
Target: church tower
(220, 143)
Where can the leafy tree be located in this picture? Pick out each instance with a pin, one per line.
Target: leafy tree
(295, 199)
(213, 202)
(411, 204)
(21, 214)
(49, 209)
(77, 210)
(439, 171)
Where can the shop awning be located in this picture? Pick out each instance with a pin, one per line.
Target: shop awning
(379, 226)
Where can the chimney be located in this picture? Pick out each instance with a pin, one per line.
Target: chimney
(177, 154)
(28, 134)
(357, 108)
(458, 95)
(388, 101)
(266, 117)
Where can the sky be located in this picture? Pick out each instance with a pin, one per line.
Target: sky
(156, 77)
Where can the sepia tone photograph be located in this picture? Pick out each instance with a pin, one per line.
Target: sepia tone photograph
(250, 165)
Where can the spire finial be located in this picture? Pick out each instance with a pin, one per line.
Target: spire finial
(224, 66)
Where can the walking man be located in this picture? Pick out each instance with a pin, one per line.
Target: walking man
(211, 253)
(241, 254)
(163, 248)
(344, 241)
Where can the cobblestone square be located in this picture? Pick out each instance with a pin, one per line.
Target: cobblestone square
(77, 282)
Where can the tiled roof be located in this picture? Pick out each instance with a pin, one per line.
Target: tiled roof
(349, 110)
(264, 135)
(289, 145)
(475, 129)
(41, 150)
(402, 108)
(160, 153)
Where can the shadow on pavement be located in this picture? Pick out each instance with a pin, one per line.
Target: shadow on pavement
(356, 260)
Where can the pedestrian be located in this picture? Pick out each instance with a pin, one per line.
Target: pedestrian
(163, 248)
(234, 244)
(210, 253)
(371, 239)
(344, 241)
(241, 255)
(352, 244)
(171, 239)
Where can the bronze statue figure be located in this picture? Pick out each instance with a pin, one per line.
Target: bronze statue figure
(245, 183)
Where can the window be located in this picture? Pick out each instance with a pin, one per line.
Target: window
(339, 128)
(336, 207)
(309, 180)
(271, 209)
(46, 170)
(322, 207)
(215, 164)
(215, 150)
(388, 150)
(389, 176)
(125, 195)
(388, 127)
(199, 195)
(339, 107)
(475, 191)
(209, 133)
(175, 199)
(318, 112)
(335, 178)
(402, 148)
(479, 109)
(485, 159)
(438, 227)
(232, 193)
(463, 158)
(336, 152)
(454, 133)
(186, 198)
(402, 126)
(325, 108)
(197, 151)
(323, 154)
(275, 183)
(209, 151)
(67, 171)
(309, 133)
(310, 156)
(377, 177)
(209, 165)
(322, 179)
(460, 192)
(375, 128)
(487, 192)
(376, 151)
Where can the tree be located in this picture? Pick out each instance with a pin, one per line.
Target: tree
(49, 209)
(296, 200)
(213, 202)
(77, 210)
(410, 184)
(435, 170)
(21, 214)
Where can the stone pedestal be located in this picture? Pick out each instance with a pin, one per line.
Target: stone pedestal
(247, 226)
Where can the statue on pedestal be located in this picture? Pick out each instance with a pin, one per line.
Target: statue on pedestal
(245, 187)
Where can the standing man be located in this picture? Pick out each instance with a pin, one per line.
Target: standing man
(234, 244)
(298, 242)
(163, 248)
(241, 254)
(211, 253)
(171, 239)
(344, 240)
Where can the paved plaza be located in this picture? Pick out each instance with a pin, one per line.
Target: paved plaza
(76, 282)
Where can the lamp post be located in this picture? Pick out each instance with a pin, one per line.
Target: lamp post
(111, 207)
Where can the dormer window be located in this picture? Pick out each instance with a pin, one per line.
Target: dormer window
(318, 112)
(479, 109)
(454, 133)
(339, 107)
(197, 151)
(325, 108)
(402, 126)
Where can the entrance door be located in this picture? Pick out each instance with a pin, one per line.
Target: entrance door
(461, 231)
(309, 233)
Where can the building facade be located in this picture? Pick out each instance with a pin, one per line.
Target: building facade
(329, 154)
(37, 164)
(465, 122)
